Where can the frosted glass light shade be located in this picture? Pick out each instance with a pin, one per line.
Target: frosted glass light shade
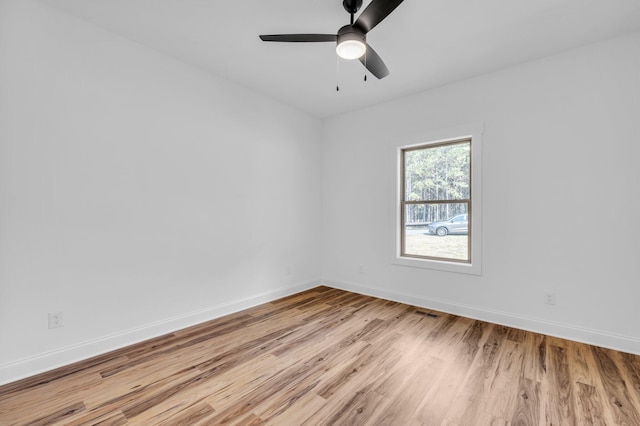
(351, 49)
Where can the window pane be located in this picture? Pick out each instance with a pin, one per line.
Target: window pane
(437, 231)
(438, 173)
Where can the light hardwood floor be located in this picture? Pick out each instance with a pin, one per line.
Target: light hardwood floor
(329, 357)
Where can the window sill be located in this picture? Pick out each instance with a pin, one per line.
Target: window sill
(439, 265)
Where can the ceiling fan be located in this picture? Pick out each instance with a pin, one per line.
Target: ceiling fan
(351, 40)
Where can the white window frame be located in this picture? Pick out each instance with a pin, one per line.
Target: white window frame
(473, 132)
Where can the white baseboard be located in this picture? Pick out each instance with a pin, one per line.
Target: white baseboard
(43, 362)
(47, 361)
(550, 328)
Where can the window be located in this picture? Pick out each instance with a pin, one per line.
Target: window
(438, 218)
(437, 201)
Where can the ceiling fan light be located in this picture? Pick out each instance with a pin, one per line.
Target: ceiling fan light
(351, 49)
(351, 43)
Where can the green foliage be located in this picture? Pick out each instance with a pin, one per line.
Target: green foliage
(441, 173)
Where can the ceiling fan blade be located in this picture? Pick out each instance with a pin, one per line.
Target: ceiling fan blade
(375, 13)
(373, 62)
(300, 38)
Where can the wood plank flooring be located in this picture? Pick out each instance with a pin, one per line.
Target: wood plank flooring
(330, 357)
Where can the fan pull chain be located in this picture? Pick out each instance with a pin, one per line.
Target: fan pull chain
(365, 65)
(337, 74)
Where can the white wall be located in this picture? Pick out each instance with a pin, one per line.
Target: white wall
(137, 194)
(561, 200)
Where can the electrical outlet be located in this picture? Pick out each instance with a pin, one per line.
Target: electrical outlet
(55, 320)
(549, 298)
(288, 270)
(361, 269)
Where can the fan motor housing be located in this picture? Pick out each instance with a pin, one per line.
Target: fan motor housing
(348, 32)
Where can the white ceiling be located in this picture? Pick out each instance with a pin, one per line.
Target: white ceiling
(425, 43)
